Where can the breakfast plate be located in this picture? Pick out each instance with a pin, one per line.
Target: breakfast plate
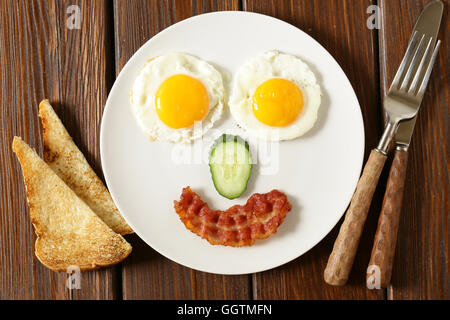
(317, 171)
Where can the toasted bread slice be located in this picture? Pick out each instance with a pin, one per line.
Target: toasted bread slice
(64, 157)
(69, 232)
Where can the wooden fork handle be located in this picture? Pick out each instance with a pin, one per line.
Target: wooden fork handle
(341, 259)
(386, 236)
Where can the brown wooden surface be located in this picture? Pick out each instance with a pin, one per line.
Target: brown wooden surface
(421, 264)
(40, 57)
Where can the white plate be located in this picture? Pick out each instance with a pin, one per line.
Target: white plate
(318, 171)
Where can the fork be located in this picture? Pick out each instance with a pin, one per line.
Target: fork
(404, 97)
(401, 103)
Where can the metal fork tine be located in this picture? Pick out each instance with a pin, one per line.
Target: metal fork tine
(412, 65)
(408, 54)
(426, 77)
(413, 86)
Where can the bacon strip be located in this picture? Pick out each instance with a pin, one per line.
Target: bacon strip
(239, 225)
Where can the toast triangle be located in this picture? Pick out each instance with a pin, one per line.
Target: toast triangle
(69, 163)
(69, 232)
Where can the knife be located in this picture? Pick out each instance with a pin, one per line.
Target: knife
(401, 103)
(383, 250)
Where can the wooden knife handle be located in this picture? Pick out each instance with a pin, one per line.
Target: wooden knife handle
(386, 236)
(341, 259)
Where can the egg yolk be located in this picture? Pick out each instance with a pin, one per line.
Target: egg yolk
(181, 100)
(277, 102)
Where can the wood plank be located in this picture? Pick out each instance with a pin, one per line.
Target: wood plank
(340, 26)
(146, 274)
(421, 265)
(41, 58)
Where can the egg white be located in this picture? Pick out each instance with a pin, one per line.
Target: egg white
(153, 75)
(269, 65)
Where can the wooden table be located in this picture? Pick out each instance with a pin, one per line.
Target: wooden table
(40, 57)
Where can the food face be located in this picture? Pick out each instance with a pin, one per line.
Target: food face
(275, 97)
(176, 93)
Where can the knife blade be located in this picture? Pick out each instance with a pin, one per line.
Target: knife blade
(428, 23)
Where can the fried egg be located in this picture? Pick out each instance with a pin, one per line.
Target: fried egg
(275, 96)
(177, 98)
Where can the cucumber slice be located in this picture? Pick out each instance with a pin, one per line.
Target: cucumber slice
(230, 164)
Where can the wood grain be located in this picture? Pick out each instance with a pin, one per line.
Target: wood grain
(385, 241)
(146, 274)
(41, 58)
(340, 26)
(341, 258)
(421, 265)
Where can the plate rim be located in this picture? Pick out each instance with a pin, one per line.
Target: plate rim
(107, 108)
